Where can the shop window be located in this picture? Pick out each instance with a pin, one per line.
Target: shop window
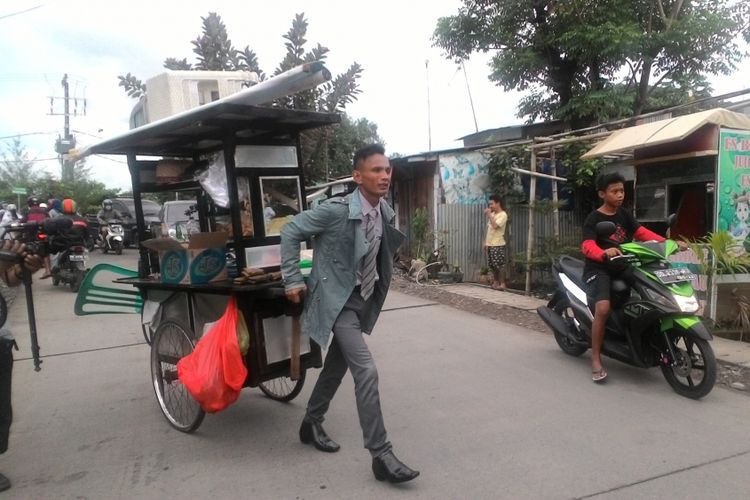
(650, 203)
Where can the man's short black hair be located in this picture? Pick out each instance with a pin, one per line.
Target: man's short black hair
(497, 199)
(364, 153)
(603, 181)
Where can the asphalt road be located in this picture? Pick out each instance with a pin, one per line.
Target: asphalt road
(482, 408)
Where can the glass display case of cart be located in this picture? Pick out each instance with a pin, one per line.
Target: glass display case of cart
(269, 194)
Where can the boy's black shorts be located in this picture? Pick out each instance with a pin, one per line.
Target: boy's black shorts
(598, 287)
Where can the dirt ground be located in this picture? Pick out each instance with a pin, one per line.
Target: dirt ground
(735, 377)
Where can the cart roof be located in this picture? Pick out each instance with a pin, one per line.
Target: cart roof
(203, 128)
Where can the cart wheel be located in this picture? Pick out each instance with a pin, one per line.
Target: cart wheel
(171, 342)
(283, 388)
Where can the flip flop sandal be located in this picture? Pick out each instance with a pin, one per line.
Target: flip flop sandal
(599, 375)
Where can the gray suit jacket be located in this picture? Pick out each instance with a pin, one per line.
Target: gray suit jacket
(339, 245)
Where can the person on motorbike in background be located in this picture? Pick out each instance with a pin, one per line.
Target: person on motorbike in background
(34, 213)
(69, 210)
(106, 214)
(55, 208)
(38, 214)
(604, 261)
(9, 217)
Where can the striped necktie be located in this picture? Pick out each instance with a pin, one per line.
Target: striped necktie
(370, 259)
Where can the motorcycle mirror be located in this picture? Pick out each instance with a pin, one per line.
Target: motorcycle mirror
(671, 220)
(605, 228)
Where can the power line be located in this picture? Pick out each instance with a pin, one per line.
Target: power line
(34, 160)
(21, 11)
(29, 133)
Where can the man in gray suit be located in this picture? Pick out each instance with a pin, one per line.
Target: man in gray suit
(355, 244)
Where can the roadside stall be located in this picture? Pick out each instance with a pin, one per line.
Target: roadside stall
(242, 165)
(696, 166)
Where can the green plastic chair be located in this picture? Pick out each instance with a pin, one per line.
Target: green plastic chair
(108, 297)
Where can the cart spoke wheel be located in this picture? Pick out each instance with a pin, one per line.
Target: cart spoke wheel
(283, 388)
(170, 343)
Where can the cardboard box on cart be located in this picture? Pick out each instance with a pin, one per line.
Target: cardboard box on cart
(201, 260)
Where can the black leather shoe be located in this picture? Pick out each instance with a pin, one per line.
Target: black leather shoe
(312, 432)
(387, 467)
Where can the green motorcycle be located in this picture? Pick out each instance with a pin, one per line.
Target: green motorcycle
(653, 321)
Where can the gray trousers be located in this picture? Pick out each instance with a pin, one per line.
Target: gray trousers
(348, 350)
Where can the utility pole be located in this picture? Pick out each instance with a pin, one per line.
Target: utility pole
(67, 142)
(66, 94)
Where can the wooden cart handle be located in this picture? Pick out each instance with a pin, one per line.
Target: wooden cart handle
(294, 368)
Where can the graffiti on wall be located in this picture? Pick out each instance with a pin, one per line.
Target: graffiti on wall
(464, 178)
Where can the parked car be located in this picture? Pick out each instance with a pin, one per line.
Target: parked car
(126, 207)
(172, 213)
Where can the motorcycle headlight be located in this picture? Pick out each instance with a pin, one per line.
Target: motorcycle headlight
(172, 232)
(661, 299)
(686, 304)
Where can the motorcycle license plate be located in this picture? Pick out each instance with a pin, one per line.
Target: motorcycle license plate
(79, 258)
(674, 275)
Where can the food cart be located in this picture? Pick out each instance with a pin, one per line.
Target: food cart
(251, 155)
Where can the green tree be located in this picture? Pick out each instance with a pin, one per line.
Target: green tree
(214, 50)
(87, 193)
(17, 169)
(333, 159)
(570, 56)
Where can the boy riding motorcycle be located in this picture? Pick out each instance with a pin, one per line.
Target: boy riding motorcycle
(604, 260)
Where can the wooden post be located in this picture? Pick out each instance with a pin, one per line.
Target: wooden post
(530, 235)
(555, 199)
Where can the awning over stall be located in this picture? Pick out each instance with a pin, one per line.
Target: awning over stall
(665, 131)
(202, 129)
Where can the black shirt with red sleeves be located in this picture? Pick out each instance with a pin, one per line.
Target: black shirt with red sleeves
(626, 227)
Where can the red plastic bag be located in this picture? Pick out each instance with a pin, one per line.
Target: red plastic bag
(214, 372)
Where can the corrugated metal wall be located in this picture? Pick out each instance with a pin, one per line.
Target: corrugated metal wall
(462, 228)
(570, 227)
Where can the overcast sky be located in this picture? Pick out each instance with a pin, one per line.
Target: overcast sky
(93, 42)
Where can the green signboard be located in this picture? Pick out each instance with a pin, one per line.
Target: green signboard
(733, 186)
(17, 190)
